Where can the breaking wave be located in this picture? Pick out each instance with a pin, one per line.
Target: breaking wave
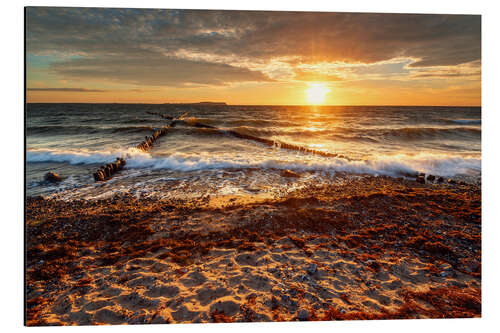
(390, 165)
(345, 133)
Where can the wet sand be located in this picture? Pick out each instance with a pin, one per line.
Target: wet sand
(363, 248)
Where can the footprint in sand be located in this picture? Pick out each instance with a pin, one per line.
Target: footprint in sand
(206, 295)
(395, 284)
(141, 281)
(249, 259)
(235, 280)
(229, 308)
(184, 314)
(80, 318)
(134, 302)
(62, 305)
(141, 262)
(281, 258)
(382, 275)
(326, 294)
(162, 291)
(372, 293)
(79, 301)
(194, 279)
(370, 304)
(257, 282)
(92, 306)
(110, 292)
(402, 271)
(159, 267)
(106, 316)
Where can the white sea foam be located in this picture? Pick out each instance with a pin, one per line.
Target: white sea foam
(390, 165)
(78, 157)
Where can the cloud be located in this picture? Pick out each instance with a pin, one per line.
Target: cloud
(88, 90)
(154, 70)
(446, 75)
(66, 89)
(142, 46)
(471, 71)
(314, 76)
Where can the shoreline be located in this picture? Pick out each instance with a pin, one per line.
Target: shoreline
(362, 248)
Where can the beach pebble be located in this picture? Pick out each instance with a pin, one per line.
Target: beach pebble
(274, 303)
(447, 273)
(289, 174)
(62, 305)
(303, 315)
(52, 177)
(431, 178)
(313, 268)
(451, 181)
(472, 267)
(304, 278)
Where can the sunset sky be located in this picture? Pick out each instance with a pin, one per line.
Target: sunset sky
(241, 57)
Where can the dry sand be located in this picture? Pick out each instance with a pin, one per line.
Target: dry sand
(365, 248)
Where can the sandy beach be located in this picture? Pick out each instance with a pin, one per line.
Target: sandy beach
(359, 248)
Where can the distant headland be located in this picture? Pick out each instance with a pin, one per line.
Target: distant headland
(201, 103)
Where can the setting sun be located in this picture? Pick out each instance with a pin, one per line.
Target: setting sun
(316, 94)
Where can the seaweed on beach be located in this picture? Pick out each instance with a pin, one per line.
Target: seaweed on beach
(413, 241)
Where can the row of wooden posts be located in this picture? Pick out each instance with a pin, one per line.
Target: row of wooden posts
(269, 142)
(149, 140)
(107, 171)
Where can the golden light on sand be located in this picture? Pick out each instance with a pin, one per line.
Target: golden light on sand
(316, 93)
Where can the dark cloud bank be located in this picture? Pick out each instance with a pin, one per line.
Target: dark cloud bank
(141, 46)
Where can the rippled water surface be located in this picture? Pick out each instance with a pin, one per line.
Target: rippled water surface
(75, 139)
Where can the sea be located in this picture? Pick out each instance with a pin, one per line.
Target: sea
(74, 140)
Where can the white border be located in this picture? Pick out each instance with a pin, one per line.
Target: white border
(12, 162)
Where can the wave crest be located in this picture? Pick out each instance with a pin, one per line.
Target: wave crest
(390, 165)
